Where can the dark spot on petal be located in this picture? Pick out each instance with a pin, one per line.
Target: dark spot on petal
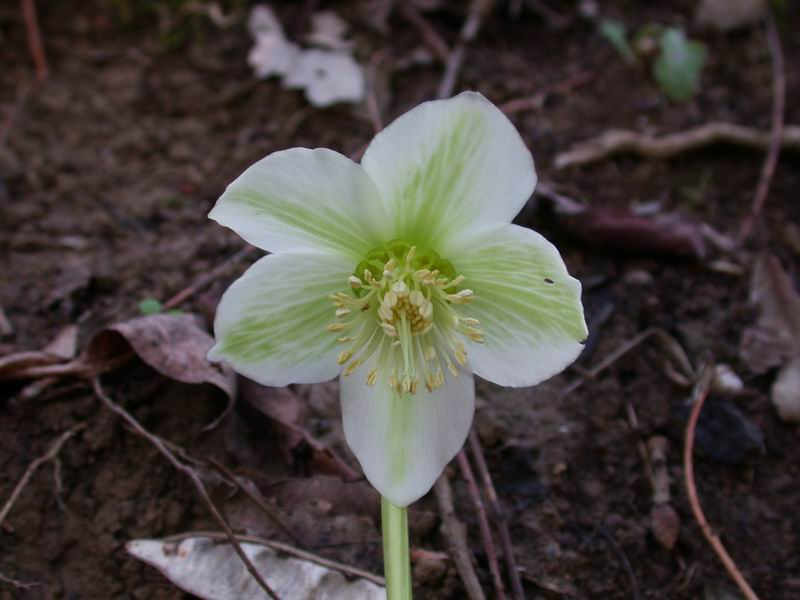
(548, 281)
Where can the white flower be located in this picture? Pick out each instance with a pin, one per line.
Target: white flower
(405, 276)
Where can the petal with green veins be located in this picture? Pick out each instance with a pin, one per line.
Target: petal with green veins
(404, 442)
(447, 166)
(302, 199)
(271, 323)
(528, 306)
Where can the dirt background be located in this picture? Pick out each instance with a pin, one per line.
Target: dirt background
(109, 167)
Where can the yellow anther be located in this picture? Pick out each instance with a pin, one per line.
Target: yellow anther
(354, 281)
(416, 298)
(342, 312)
(344, 356)
(335, 327)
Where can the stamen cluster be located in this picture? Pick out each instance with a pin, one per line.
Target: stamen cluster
(402, 308)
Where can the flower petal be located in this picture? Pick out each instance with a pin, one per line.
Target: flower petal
(528, 306)
(301, 199)
(404, 442)
(270, 323)
(448, 164)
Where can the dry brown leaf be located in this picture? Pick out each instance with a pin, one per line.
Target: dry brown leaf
(774, 340)
(174, 345)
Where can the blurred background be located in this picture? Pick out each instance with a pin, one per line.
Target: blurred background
(666, 137)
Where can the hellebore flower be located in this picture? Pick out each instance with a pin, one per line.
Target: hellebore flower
(403, 275)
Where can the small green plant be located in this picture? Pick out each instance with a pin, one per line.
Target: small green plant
(679, 63)
(679, 60)
(615, 33)
(153, 306)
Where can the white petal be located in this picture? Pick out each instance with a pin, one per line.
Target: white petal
(404, 442)
(271, 323)
(301, 199)
(528, 306)
(449, 165)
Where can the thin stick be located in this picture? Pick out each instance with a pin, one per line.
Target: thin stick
(776, 132)
(51, 454)
(536, 101)
(20, 585)
(255, 497)
(429, 35)
(498, 514)
(190, 473)
(700, 395)
(483, 522)
(285, 549)
(207, 278)
(477, 9)
(622, 141)
(34, 38)
(455, 533)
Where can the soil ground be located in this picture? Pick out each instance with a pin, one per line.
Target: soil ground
(109, 168)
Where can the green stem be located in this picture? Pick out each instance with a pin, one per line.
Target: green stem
(396, 566)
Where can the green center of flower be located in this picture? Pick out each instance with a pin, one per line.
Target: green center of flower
(403, 308)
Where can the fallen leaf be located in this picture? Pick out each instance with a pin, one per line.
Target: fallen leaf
(666, 234)
(174, 345)
(210, 569)
(774, 340)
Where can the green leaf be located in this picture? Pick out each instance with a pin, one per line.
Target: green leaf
(614, 32)
(150, 306)
(678, 66)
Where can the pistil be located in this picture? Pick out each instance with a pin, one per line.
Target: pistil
(406, 315)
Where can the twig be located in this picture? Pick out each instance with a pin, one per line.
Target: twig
(536, 101)
(205, 279)
(51, 454)
(700, 395)
(620, 141)
(498, 514)
(483, 522)
(776, 132)
(456, 535)
(190, 473)
(429, 35)
(669, 342)
(477, 9)
(623, 558)
(256, 497)
(20, 585)
(285, 549)
(34, 38)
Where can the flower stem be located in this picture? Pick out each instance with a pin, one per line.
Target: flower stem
(397, 569)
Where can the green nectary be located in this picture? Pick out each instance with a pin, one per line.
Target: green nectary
(424, 258)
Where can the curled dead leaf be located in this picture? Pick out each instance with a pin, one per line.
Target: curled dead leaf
(211, 570)
(174, 345)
